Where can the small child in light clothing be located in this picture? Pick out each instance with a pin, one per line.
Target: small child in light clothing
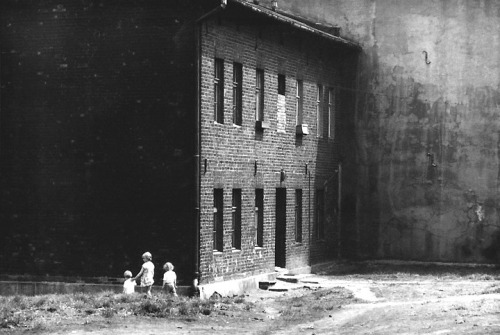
(128, 284)
(169, 279)
(147, 273)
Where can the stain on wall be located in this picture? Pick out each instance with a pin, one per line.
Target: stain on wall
(424, 182)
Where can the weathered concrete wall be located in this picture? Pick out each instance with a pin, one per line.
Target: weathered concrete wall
(424, 180)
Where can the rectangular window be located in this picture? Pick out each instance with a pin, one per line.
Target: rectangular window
(259, 95)
(320, 214)
(331, 113)
(319, 110)
(237, 93)
(218, 232)
(219, 90)
(236, 212)
(298, 215)
(259, 217)
(281, 84)
(300, 102)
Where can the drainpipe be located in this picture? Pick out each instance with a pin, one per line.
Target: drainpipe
(339, 212)
(309, 214)
(197, 147)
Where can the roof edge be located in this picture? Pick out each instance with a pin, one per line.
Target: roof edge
(295, 22)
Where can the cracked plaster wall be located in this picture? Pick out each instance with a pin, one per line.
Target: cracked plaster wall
(423, 164)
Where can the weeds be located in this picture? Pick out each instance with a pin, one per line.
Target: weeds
(48, 310)
(239, 299)
(39, 326)
(493, 288)
(108, 312)
(8, 319)
(11, 318)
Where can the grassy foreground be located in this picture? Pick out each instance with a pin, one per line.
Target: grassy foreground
(49, 312)
(40, 312)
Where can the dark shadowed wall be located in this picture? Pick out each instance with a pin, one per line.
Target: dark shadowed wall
(97, 136)
(423, 167)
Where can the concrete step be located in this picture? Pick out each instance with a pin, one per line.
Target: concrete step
(296, 278)
(264, 285)
(288, 279)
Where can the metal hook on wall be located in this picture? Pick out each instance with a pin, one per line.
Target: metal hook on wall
(427, 61)
(431, 160)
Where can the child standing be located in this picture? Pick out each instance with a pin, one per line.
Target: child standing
(169, 279)
(128, 284)
(147, 273)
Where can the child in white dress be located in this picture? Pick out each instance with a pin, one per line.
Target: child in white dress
(146, 274)
(128, 283)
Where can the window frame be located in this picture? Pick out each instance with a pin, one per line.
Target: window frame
(259, 94)
(219, 90)
(259, 217)
(281, 84)
(237, 93)
(320, 214)
(299, 106)
(298, 215)
(218, 220)
(331, 113)
(236, 218)
(319, 111)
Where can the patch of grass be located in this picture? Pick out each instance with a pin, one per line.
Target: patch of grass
(108, 313)
(493, 288)
(315, 305)
(20, 301)
(10, 316)
(411, 271)
(39, 326)
(39, 313)
(43, 313)
(239, 299)
(8, 319)
(40, 301)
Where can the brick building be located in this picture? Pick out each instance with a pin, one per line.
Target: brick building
(205, 132)
(270, 108)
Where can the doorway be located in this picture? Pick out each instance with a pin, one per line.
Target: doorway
(280, 236)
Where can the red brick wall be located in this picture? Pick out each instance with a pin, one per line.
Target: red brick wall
(231, 151)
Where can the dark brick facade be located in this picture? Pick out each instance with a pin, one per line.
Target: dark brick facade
(243, 157)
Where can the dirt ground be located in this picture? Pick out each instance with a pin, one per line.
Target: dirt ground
(371, 302)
